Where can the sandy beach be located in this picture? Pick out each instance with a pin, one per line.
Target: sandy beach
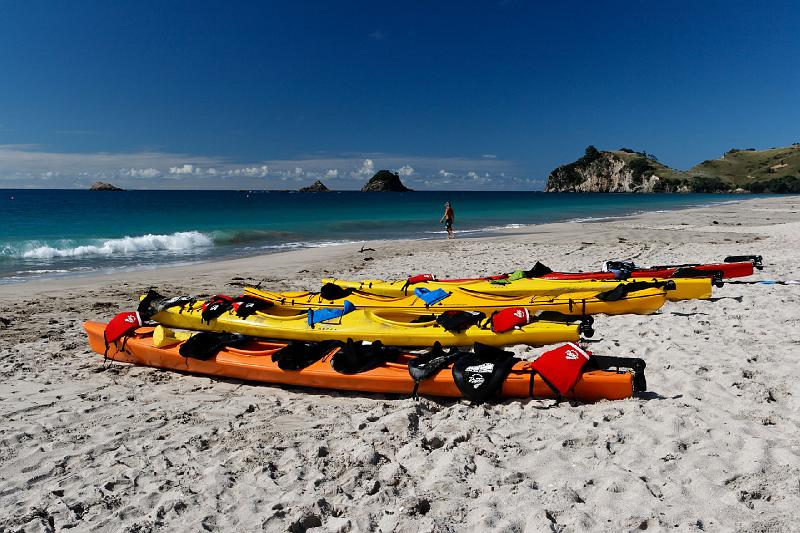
(712, 446)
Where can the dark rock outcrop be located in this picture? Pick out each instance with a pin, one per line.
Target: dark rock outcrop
(317, 186)
(385, 181)
(102, 186)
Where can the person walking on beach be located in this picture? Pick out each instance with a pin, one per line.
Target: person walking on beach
(447, 218)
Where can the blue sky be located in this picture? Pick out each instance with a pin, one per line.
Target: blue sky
(468, 95)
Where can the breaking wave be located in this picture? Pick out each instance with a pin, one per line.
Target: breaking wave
(180, 242)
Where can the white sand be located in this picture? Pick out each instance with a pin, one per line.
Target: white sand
(713, 446)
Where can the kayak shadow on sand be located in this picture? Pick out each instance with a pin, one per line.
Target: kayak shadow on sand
(718, 298)
(652, 395)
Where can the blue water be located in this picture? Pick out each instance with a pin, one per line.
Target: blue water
(47, 233)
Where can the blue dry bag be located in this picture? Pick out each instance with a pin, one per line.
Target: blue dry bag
(321, 315)
(431, 297)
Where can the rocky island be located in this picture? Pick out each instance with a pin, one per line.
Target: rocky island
(776, 170)
(385, 181)
(102, 186)
(317, 186)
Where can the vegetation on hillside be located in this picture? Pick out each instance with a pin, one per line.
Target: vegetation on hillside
(750, 168)
(570, 173)
(776, 170)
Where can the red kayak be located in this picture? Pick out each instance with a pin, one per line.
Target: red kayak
(732, 267)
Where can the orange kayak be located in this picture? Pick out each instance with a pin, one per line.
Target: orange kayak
(253, 362)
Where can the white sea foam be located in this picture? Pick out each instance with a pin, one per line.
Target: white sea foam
(482, 230)
(310, 244)
(176, 242)
(598, 218)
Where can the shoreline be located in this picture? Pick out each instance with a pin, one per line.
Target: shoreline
(222, 251)
(711, 446)
(345, 249)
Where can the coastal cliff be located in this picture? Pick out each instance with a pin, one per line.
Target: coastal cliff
(600, 171)
(776, 170)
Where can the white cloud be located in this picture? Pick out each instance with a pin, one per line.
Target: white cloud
(332, 173)
(489, 156)
(140, 172)
(445, 174)
(250, 172)
(405, 171)
(477, 178)
(183, 170)
(296, 173)
(366, 171)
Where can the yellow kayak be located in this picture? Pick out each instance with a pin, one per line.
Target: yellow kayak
(391, 327)
(685, 288)
(641, 302)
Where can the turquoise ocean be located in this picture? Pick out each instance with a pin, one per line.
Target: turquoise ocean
(54, 233)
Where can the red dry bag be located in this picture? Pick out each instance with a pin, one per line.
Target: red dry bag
(561, 368)
(419, 278)
(121, 325)
(510, 318)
